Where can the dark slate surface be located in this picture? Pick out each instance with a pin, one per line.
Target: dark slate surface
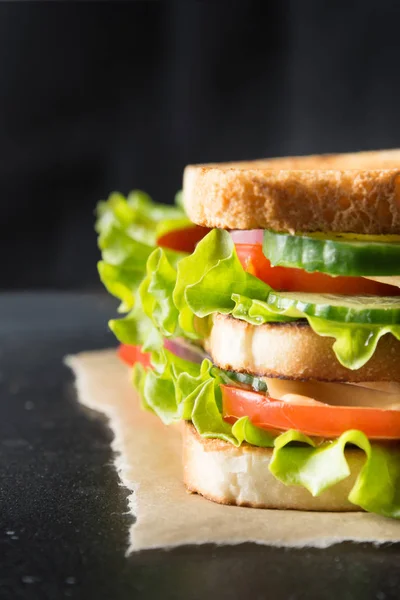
(63, 522)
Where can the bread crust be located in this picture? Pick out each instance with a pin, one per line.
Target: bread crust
(229, 475)
(355, 193)
(293, 351)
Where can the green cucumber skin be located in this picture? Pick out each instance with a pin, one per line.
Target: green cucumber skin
(345, 309)
(255, 382)
(334, 257)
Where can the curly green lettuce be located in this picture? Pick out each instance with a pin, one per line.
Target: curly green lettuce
(128, 229)
(127, 232)
(138, 217)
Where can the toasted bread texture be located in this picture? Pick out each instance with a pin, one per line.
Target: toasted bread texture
(229, 475)
(293, 351)
(354, 193)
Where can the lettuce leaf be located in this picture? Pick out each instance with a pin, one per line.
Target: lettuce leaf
(156, 292)
(377, 487)
(209, 252)
(128, 229)
(245, 431)
(118, 248)
(137, 329)
(256, 312)
(139, 375)
(213, 274)
(354, 343)
(176, 389)
(208, 280)
(154, 314)
(137, 216)
(121, 282)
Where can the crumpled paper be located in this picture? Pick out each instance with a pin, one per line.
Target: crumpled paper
(148, 461)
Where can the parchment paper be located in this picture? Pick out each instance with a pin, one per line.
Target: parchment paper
(148, 460)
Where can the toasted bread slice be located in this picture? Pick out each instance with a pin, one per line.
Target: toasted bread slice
(354, 193)
(293, 351)
(229, 475)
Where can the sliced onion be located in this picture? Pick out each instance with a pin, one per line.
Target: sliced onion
(247, 236)
(185, 350)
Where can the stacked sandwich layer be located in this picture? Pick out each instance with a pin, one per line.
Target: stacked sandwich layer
(277, 342)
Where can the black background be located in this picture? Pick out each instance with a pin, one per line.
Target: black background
(102, 96)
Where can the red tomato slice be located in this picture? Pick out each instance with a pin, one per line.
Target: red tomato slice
(183, 240)
(133, 354)
(287, 279)
(319, 420)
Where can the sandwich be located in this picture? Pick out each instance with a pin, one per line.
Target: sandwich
(262, 314)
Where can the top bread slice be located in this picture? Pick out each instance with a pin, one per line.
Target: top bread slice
(344, 193)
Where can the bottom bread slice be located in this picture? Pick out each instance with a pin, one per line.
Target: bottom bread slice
(229, 475)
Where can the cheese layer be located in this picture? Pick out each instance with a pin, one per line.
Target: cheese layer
(373, 395)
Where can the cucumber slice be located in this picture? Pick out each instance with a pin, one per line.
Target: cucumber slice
(348, 255)
(376, 310)
(257, 383)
